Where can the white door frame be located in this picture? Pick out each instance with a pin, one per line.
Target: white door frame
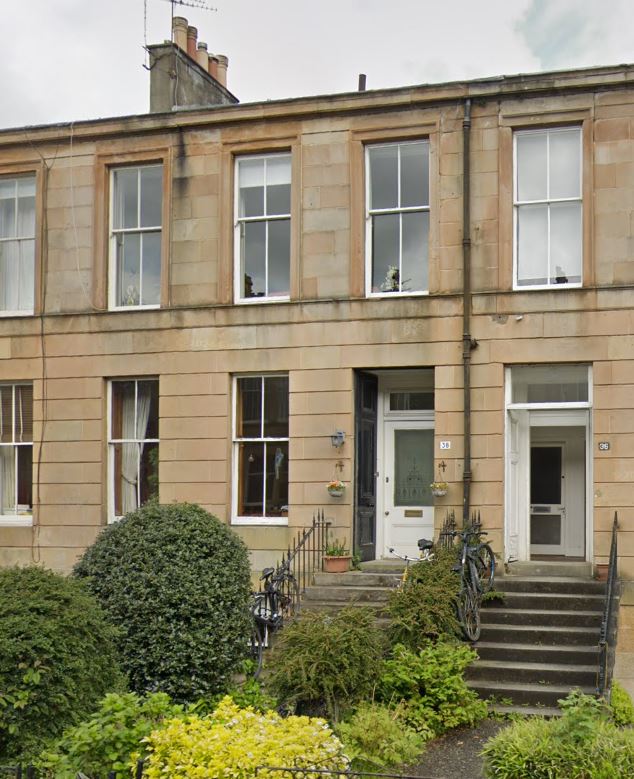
(518, 420)
(408, 380)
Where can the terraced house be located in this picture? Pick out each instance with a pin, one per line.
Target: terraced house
(232, 304)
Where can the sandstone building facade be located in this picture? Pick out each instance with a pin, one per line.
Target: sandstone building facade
(199, 303)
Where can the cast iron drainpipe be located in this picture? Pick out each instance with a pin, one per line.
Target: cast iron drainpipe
(468, 343)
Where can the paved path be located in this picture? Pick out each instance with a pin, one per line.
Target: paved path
(456, 755)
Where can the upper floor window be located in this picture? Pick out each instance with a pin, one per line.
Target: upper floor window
(133, 444)
(397, 218)
(135, 236)
(16, 453)
(263, 227)
(548, 207)
(261, 449)
(17, 244)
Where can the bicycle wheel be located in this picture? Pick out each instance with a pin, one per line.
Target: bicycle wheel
(287, 596)
(468, 607)
(485, 562)
(256, 647)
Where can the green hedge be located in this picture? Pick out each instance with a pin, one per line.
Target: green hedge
(176, 582)
(57, 658)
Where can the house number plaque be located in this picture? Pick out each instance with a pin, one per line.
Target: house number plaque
(445, 444)
(604, 446)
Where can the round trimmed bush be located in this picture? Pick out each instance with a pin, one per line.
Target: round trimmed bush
(57, 658)
(176, 582)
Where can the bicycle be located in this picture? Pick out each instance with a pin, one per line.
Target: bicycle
(276, 601)
(476, 567)
(425, 555)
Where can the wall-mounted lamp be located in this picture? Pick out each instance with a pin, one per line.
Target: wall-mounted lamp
(337, 439)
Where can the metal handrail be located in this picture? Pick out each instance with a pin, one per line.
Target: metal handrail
(304, 555)
(606, 635)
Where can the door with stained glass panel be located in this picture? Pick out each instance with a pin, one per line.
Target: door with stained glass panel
(409, 470)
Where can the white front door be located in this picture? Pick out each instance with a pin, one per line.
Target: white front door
(408, 509)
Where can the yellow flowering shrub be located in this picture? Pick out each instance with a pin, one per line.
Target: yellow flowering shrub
(232, 742)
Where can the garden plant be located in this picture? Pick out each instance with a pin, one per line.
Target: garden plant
(175, 581)
(58, 658)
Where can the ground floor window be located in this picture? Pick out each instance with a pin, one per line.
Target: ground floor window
(260, 439)
(133, 444)
(16, 452)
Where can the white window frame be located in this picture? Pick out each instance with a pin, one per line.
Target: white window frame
(517, 204)
(112, 442)
(113, 233)
(238, 221)
(235, 469)
(20, 519)
(370, 213)
(19, 239)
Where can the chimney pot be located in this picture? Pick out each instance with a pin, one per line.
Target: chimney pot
(202, 58)
(192, 38)
(179, 32)
(213, 66)
(223, 64)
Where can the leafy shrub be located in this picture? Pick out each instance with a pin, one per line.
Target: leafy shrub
(424, 609)
(106, 740)
(375, 738)
(234, 741)
(57, 658)
(621, 706)
(429, 687)
(327, 662)
(582, 744)
(176, 581)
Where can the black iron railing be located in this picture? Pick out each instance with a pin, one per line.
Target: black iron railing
(323, 773)
(608, 622)
(445, 537)
(30, 772)
(304, 556)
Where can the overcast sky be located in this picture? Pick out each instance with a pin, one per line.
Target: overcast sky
(63, 60)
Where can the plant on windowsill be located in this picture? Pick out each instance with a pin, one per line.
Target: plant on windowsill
(336, 488)
(336, 558)
(439, 488)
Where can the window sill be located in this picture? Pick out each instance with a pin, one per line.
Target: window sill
(16, 520)
(546, 287)
(262, 521)
(388, 295)
(15, 313)
(255, 301)
(153, 307)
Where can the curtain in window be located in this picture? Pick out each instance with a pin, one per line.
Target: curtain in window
(129, 455)
(7, 480)
(132, 452)
(143, 414)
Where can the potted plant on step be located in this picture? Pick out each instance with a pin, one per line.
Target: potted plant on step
(336, 557)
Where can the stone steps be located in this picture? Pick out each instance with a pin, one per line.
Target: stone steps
(538, 641)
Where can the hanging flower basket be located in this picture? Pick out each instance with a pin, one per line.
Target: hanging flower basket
(439, 488)
(336, 488)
